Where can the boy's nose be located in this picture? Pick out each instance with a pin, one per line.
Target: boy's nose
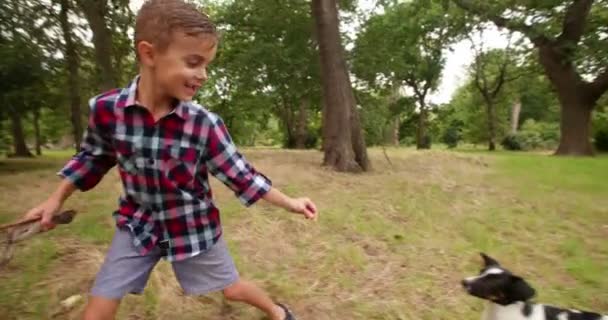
(202, 75)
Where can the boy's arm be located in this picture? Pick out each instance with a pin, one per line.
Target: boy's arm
(50, 206)
(299, 205)
(229, 166)
(97, 155)
(85, 169)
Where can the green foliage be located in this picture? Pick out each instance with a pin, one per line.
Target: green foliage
(533, 135)
(265, 66)
(600, 129)
(511, 142)
(545, 18)
(404, 47)
(452, 136)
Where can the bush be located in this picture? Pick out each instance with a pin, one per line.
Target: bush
(533, 136)
(511, 142)
(600, 128)
(451, 137)
(601, 140)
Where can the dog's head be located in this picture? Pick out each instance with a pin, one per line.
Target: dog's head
(497, 284)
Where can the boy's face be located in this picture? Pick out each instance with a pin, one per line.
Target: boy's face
(181, 69)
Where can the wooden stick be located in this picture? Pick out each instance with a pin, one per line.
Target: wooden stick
(64, 217)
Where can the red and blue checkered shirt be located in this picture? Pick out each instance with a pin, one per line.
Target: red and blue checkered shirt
(164, 169)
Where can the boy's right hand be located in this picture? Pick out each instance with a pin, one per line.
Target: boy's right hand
(46, 211)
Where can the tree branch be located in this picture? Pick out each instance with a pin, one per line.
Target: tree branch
(502, 75)
(484, 12)
(574, 21)
(599, 86)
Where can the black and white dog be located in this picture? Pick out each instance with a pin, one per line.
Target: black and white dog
(509, 297)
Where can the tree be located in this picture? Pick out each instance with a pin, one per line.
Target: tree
(404, 47)
(270, 64)
(343, 141)
(21, 69)
(96, 13)
(72, 65)
(569, 38)
(491, 71)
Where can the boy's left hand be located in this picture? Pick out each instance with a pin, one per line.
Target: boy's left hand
(305, 207)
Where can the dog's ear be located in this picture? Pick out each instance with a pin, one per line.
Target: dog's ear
(519, 289)
(488, 261)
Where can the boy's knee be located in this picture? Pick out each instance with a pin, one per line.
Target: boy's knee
(234, 292)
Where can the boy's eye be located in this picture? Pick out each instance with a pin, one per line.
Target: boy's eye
(193, 62)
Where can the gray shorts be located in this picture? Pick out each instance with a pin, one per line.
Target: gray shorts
(126, 271)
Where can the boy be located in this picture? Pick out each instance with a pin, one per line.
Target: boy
(164, 146)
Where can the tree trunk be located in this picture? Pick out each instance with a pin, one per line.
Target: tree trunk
(515, 111)
(396, 126)
(575, 106)
(288, 122)
(341, 129)
(575, 126)
(358, 139)
(491, 112)
(37, 137)
(19, 145)
(421, 132)
(72, 64)
(95, 13)
(302, 124)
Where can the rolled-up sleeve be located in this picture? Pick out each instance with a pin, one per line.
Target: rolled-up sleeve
(230, 167)
(96, 155)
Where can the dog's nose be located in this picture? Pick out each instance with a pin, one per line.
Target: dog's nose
(464, 283)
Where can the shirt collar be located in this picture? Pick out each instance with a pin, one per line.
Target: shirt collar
(128, 97)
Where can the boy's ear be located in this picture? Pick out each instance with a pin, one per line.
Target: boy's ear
(145, 52)
(519, 290)
(488, 261)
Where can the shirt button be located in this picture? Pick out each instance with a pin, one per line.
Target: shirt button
(151, 162)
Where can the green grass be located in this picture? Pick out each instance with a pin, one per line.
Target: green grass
(390, 244)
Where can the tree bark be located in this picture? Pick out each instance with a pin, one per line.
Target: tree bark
(95, 12)
(576, 103)
(421, 132)
(491, 112)
(343, 142)
(575, 125)
(515, 111)
(19, 145)
(395, 133)
(72, 64)
(37, 136)
(302, 124)
(358, 138)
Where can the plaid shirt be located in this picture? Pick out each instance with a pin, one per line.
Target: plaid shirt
(164, 169)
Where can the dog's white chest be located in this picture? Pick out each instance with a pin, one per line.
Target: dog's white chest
(512, 312)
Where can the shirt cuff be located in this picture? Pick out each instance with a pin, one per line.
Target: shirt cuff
(257, 188)
(77, 173)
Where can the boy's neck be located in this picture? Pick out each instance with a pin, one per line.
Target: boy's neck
(151, 97)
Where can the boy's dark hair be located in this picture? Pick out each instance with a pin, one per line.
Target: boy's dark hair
(157, 20)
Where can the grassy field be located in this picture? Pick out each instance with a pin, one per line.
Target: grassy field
(390, 244)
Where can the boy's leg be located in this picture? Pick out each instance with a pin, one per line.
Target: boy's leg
(123, 271)
(214, 270)
(99, 308)
(247, 292)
